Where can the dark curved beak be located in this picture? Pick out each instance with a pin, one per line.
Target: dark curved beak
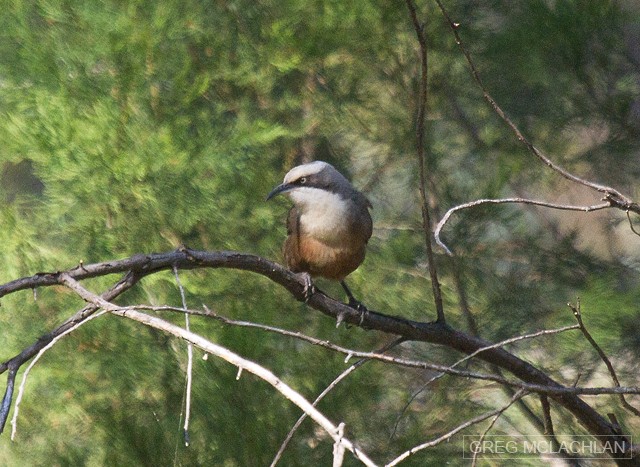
(282, 188)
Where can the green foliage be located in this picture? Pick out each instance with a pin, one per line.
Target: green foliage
(134, 127)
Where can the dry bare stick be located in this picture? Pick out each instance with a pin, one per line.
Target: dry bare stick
(611, 195)
(518, 395)
(25, 375)
(578, 315)
(565, 207)
(189, 375)
(326, 391)
(223, 353)
(544, 332)
(420, 118)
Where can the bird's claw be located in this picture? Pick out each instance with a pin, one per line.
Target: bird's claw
(309, 288)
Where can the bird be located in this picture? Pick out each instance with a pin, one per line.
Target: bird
(328, 226)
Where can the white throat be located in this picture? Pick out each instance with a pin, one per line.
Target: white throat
(323, 214)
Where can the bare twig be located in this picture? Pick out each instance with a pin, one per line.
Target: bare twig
(479, 202)
(578, 315)
(25, 375)
(351, 353)
(457, 429)
(189, 371)
(326, 391)
(420, 118)
(225, 354)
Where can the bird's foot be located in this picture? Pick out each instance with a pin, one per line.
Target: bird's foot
(309, 288)
(357, 305)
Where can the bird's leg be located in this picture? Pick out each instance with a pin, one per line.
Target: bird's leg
(353, 303)
(309, 288)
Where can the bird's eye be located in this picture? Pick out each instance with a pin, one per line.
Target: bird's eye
(303, 180)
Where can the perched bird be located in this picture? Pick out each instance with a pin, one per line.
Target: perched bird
(328, 226)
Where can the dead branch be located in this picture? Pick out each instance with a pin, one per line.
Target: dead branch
(611, 195)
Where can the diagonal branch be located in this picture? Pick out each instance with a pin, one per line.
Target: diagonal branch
(518, 395)
(613, 196)
(544, 332)
(326, 391)
(225, 354)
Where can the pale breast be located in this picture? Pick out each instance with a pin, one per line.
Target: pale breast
(319, 259)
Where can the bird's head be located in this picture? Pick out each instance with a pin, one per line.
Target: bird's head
(311, 182)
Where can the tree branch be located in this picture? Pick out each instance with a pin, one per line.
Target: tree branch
(184, 258)
(461, 427)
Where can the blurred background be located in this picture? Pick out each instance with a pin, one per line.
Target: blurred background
(137, 126)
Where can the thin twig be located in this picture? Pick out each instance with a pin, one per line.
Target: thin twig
(25, 375)
(578, 315)
(457, 429)
(189, 372)
(351, 353)
(333, 384)
(565, 207)
(225, 354)
(420, 119)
